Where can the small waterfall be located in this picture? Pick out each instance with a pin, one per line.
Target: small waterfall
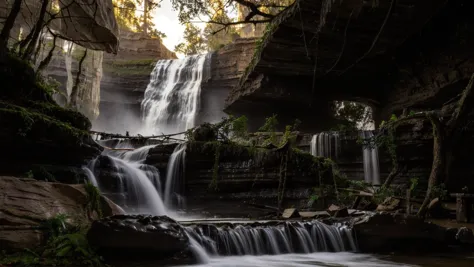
(325, 144)
(172, 97)
(174, 177)
(126, 180)
(371, 160)
(289, 237)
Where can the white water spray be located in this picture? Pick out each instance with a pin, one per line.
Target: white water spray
(172, 97)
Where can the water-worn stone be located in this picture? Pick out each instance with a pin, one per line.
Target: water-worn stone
(26, 203)
(138, 237)
(385, 232)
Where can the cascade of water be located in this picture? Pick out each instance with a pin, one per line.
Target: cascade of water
(171, 99)
(371, 160)
(325, 144)
(290, 237)
(140, 183)
(174, 177)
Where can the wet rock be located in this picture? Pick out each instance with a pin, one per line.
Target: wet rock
(384, 232)
(26, 203)
(290, 213)
(465, 235)
(139, 237)
(337, 211)
(314, 214)
(389, 204)
(205, 133)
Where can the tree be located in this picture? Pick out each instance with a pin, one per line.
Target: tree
(127, 17)
(259, 11)
(8, 25)
(215, 38)
(355, 115)
(195, 42)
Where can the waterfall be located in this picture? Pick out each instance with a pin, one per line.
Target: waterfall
(288, 237)
(172, 97)
(174, 177)
(370, 160)
(325, 144)
(127, 181)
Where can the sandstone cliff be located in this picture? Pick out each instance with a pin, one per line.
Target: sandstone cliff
(26, 203)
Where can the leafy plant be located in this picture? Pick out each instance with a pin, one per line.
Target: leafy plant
(239, 127)
(312, 199)
(93, 200)
(413, 184)
(56, 225)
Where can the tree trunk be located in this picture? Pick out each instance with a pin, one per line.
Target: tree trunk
(437, 168)
(75, 88)
(37, 30)
(145, 17)
(8, 25)
(44, 63)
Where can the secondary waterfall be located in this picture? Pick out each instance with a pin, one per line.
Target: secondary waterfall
(123, 177)
(325, 144)
(175, 178)
(288, 237)
(371, 160)
(172, 97)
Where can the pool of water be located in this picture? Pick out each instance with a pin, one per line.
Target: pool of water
(335, 260)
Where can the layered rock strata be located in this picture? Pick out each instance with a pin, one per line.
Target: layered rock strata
(25, 204)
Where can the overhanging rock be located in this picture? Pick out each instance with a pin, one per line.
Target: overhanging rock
(89, 24)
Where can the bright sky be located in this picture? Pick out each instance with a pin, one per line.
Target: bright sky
(166, 20)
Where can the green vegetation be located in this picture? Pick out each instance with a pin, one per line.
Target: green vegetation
(66, 245)
(93, 200)
(129, 67)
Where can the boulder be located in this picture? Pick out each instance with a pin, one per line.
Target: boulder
(26, 203)
(384, 232)
(204, 133)
(465, 235)
(139, 237)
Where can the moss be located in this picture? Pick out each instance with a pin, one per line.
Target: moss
(37, 126)
(130, 67)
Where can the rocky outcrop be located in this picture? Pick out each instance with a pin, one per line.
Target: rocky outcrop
(240, 176)
(90, 25)
(36, 131)
(386, 233)
(228, 64)
(357, 51)
(25, 204)
(140, 238)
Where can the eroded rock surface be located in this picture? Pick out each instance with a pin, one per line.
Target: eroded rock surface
(139, 237)
(26, 203)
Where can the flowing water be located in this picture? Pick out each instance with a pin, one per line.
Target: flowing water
(172, 97)
(371, 160)
(289, 237)
(138, 183)
(174, 178)
(325, 144)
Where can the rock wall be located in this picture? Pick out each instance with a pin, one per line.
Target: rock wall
(26, 203)
(239, 177)
(227, 66)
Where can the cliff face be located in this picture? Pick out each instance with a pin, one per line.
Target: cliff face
(227, 67)
(390, 56)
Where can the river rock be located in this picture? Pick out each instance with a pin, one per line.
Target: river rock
(139, 237)
(465, 235)
(26, 203)
(384, 232)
